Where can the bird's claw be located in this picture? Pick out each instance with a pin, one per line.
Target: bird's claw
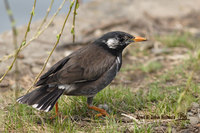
(102, 111)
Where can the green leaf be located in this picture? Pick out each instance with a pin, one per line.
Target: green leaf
(33, 13)
(58, 36)
(72, 3)
(72, 30)
(23, 43)
(77, 5)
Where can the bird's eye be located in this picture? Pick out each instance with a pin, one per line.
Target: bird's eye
(126, 38)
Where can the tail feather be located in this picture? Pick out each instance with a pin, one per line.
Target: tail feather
(49, 101)
(34, 96)
(43, 98)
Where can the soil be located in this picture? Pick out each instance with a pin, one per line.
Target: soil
(137, 17)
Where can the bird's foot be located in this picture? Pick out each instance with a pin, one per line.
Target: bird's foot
(55, 116)
(102, 112)
(57, 113)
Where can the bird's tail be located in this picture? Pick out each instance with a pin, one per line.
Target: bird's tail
(43, 98)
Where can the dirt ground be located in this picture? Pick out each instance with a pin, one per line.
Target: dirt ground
(137, 17)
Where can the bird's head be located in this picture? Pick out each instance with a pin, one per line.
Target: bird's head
(116, 41)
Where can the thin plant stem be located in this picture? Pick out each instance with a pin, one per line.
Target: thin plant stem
(22, 43)
(74, 18)
(181, 96)
(14, 32)
(47, 14)
(55, 45)
(37, 34)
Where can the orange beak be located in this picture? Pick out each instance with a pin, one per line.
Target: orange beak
(139, 39)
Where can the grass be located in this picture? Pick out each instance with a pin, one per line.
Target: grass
(151, 66)
(167, 97)
(159, 103)
(23, 118)
(178, 40)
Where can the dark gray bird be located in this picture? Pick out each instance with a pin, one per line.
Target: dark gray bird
(85, 72)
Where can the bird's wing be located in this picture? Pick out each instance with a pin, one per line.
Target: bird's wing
(86, 64)
(55, 68)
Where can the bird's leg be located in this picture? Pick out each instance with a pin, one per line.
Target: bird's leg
(56, 109)
(56, 106)
(102, 112)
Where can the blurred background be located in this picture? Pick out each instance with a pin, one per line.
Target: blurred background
(156, 90)
(22, 9)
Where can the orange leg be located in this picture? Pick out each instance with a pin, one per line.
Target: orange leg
(102, 111)
(57, 114)
(56, 105)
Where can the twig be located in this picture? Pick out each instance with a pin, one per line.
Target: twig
(74, 18)
(14, 31)
(22, 43)
(37, 34)
(58, 39)
(47, 14)
(131, 117)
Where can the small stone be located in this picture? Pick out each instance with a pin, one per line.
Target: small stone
(174, 130)
(193, 110)
(126, 120)
(104, 106)
(185, 131)
(195, 105)
(198, 113)
(189, 114)
(193, 120)
(100, 106)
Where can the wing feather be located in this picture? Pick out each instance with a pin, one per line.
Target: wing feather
(86, 64)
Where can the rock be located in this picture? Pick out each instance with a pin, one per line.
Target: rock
(193, 120)
(195, 105)
(185, 131)
(174, 130)
(189, 114)
(126, 120)
(104, 106)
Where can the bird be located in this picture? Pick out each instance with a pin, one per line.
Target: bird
(84, 72)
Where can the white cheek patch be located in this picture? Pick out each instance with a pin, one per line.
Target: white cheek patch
(112, 43)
